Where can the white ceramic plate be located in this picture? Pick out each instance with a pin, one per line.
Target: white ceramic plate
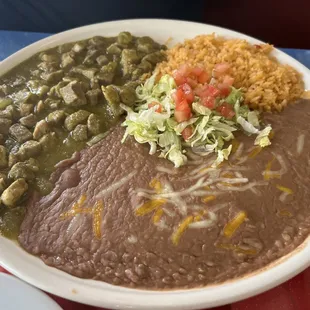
(16, 294)
(32, 270)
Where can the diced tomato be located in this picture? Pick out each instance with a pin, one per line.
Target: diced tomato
(224, 89)
(178, 78)
(212, 91)
(228, 80)
(221, 69)
(191, 76)
(179, 96)
(188, 93)
(182, 116)
(153, 104)
(185, 70)
(203, 77)
(207, 94)
(159, 109)
(182, 111)
(187, 132)
(230, 114)
(198, 90)
(192, 82)
(207, 91)
(197, 71)
(182, 105)
(208, 102)
(226, 110)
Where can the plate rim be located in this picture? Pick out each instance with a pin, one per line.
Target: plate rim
(118, 297)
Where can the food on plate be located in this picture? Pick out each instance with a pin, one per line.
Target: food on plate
(268, 85)
(190, 109)
(58, 102)
(120, 215)
(151, 168)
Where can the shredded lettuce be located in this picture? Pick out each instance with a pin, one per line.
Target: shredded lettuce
(157, 129)
(241, 110)
(206, 149)
(171, 147)
(175, 155)
(180, 127)
(234, 96)
(211, 131)
(171, 123)
(164, 86)
(147, 119)
(200, 109)
(247, 126)
(222, 155)
(253, 118)
(263, 137)
(168, 138)
(152, 91)
(145, 91)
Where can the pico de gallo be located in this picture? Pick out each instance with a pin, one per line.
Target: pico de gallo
(192, 109)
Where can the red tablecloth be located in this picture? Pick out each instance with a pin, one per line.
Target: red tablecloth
(292, 295)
